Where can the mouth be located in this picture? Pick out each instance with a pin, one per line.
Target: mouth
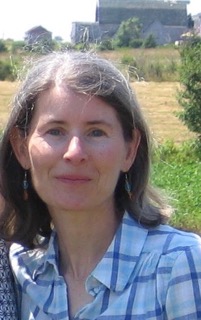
(73, 179)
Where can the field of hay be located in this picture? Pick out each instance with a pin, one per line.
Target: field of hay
(7, 90)
(158, 100)
(160, 104)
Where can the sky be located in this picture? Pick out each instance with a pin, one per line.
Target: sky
(18, 16)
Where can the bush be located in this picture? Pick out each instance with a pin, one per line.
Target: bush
(63, 46)
(6, 71)
(128, 31)
(189, 96)
(129, 60)
(169, 151)
(41, 46)
(3, 47)
(17, 46)
(149, 42)
(105, 45)
(135, 43)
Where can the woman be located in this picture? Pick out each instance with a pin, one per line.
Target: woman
(91, 233)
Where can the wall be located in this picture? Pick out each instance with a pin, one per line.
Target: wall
(110, 14)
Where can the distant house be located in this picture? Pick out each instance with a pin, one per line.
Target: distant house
(165, 19)
(197, 23)
(38, 35)
(164, 34)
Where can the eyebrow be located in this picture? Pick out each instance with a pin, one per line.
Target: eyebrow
(99, 122)
(52, 121)
(92, 122)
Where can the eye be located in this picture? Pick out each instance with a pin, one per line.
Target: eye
(97, 133)
(55, 132)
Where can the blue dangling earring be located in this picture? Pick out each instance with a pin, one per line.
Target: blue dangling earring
(25, 186)
(128, 186)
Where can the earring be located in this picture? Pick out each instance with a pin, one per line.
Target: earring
(128, 186)
(25, 186)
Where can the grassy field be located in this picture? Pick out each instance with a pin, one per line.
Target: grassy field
(158, 64)
(180, 182)
(177, 171)
(158, 101)
(161, 54)
(7, 90)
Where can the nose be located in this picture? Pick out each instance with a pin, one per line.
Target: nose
(76, 152)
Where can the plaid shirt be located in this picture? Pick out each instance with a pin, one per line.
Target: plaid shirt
(145, 274)
(8, 310)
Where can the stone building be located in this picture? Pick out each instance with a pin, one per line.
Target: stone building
(37, 35)
(197, 23)
(165, 19)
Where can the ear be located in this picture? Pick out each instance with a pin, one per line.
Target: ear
(132, 149)
(19, 146)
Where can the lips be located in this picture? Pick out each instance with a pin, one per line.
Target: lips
(73, 178)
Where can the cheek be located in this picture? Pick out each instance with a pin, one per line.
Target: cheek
(41, 162)
(112, 156)
(39, 153)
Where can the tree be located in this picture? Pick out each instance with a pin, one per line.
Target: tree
(128, 31)
(150, 42)
(190, 22)
(189, 96)
(3, 47)
(17, 46)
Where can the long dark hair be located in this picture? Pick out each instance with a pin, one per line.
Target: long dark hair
(91, 75)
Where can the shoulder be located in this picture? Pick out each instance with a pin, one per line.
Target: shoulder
(168, 239)
(162, 239)
(175, 248)
(31, 262)
(25, 263)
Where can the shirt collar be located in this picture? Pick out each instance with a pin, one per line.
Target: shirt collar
(50, 256)
(115, 268)
(118, 264)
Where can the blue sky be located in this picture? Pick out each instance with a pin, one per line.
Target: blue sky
(18, 16)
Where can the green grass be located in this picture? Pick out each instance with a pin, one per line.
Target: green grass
(158, 64)
(177, 171)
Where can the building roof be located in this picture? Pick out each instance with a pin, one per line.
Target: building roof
(36, 28)
(132, 3)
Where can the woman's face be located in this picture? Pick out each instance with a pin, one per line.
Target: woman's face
(75, 151)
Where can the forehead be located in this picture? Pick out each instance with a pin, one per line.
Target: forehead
(60, 101)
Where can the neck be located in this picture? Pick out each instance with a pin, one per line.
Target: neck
(83, 240)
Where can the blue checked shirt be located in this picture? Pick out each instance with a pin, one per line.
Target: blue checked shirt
(145, 274)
